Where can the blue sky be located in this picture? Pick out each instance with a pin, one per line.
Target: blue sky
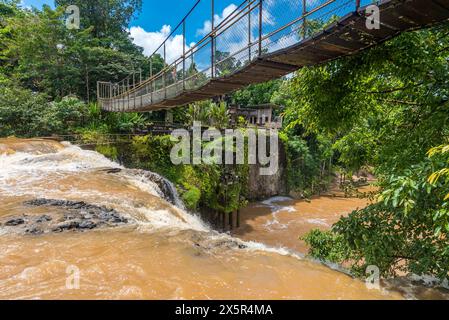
(158, 18)
(157, 13)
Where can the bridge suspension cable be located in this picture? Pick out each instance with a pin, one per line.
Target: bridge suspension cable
(259, 40)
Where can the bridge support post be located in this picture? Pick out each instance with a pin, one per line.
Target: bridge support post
(304, 25)
(151, 77)
(237, 223)
(110, 94)
(163, 76)
(184, 55)
(223, 221)
(231, 220)
(260, 26)
(98, 91)
(249, 31)
(141, 91)
(134, 87)
(212, 41)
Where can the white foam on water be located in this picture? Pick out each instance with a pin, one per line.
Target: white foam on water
(253, 246)
(273, 200)
(275, 223)
(145, 185)
(275, 207)
(163, 219)
(320, 222)
(25, 174)
(20, 170)
(69, 159)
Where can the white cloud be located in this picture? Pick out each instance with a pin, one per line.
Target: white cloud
(24, 5)
(236, 37)
(218, 18)
(150, 41)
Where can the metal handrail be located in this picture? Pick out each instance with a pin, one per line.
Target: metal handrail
(122, 92)
(196, 46)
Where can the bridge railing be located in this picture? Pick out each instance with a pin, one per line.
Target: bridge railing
(253, 29)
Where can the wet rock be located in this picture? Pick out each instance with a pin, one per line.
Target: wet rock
(113, 217)
(112, 170)
(206, 244)
(44, 218)
(87, 225)
(70, 225)
(14, 222)
(34, 231)
(71, 216)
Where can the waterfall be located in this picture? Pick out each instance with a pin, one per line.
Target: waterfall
(68, 174)
(166, 188)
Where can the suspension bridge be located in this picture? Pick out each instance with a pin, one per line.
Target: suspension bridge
(261, 40)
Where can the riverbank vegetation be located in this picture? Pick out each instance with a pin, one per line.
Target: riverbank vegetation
(48, 73)
(385, 110)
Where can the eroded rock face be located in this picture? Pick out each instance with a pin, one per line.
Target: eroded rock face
(264, 187)
(70, 216)
(206, 244)
(167, 190)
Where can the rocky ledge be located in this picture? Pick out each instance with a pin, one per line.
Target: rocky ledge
(70, 216)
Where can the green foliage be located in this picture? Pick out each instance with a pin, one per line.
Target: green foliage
(108, 151)
(39, 51)
(198, 112)
(385, 107)
(306, 163)
(256, 94)
(388, 99)
(125, 122)
(327, 246)
(153, 153)
(209, 114)
(24, 113)
(94, 135)
(406, 230)
(191, 197)
(225, 63)
(107, 17)
(199, 185)
(219, 117)
(356, 149)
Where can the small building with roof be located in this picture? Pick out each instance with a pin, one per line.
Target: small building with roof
(262, 115)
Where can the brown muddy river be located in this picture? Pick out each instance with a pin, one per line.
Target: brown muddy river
(131, 242)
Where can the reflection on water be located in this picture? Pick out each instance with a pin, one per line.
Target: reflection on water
(162, 253)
